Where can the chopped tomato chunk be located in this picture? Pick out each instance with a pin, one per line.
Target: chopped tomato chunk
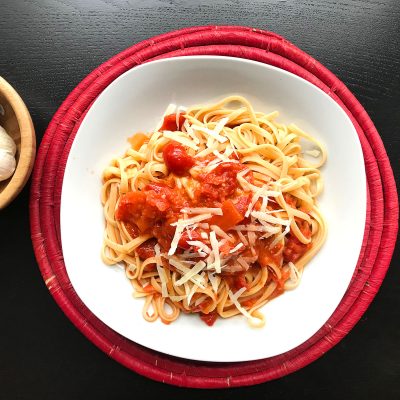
(176, 159)
(209, 318)
(146, 249)
(183, 241)
(132, 229)
(169, 123)
(294, 249)
(229, 218)
(240, 281)
(291, 200)
(221, 182)
(137, 140)
(267, 256)
(242, 204)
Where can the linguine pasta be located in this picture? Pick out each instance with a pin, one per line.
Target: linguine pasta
(214, 212)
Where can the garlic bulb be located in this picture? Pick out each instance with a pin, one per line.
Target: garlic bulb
(7, 164)
(7, 155)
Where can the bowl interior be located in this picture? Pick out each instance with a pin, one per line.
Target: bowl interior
(135, 101)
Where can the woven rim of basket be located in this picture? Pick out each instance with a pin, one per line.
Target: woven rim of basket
(234, 41)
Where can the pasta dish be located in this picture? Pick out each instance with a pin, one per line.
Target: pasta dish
(214, 212)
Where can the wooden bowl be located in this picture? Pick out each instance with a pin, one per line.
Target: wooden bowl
(16, 120)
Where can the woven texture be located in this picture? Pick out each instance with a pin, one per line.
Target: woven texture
(266, 47)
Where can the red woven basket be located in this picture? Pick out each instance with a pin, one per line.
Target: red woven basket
(235, 41)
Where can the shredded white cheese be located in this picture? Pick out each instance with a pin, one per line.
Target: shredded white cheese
(254, 200)
(161, 272)
(191, 273)
(180, 139)
(202, 210)
(190, 132)
(256, 228)
(234, 299)
(191, 221)
(202, 246)
(175, 240)
(269, 218)
(243, 263)
(215, 281)
(169, 110)
(215, 249)
(196, 279)
(252, 241)
(242, 238)
(236, 248)
(220, 232)
(214, 132)
(280, 236)
(191, 293)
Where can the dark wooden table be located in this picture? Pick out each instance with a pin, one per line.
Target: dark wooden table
(47, 47)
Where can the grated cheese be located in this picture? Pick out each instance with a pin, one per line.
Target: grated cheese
(264, 203)
(250, 259)
(175, 240)
(234, 299)
(254, 200)
(188, 188)
(200, 300)
(204, 225)
(269, 218)
(191, 273)
(243, 263)
(161, 272)
(236, 248)
(242, 238)
(220, 232)
(215, 249)
(191, 221)
(208, 150)
(202, 247)
(169, 110)
(256, 228)
(214, 132)
(202, 210)
(180, 139)
(192, 291)
(215, 281)
(196, 279)
(190, 132)
(252, 241)
(280, 237)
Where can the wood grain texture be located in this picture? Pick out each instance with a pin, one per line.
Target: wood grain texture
(18, 124)
(48, 46)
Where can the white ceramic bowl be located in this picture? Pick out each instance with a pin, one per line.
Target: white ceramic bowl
(134, 102)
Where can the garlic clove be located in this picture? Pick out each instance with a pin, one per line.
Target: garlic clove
(7, 164)
(6, 142)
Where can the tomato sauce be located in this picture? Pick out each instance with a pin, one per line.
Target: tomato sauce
(146, 249)
(220, 183)
(176, 159)
(294, 249)
(209, 318)
(153, 209)
(169, 123)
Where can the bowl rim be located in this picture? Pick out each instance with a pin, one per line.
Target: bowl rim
(28, 144)
(171, 60)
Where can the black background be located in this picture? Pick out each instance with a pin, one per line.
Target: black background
(47, 47)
